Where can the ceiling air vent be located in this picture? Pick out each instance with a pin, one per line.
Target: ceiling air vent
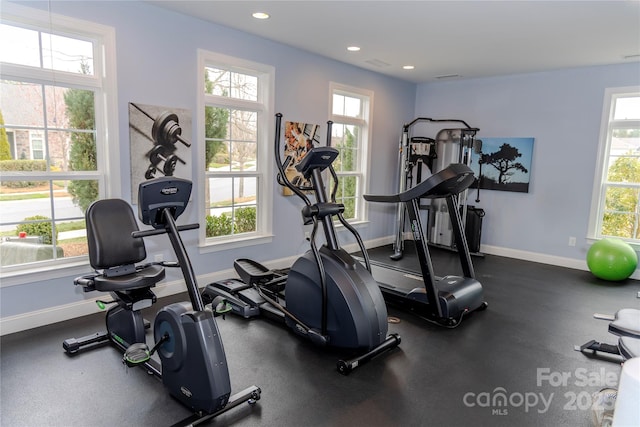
(448, 76)
(377, 63)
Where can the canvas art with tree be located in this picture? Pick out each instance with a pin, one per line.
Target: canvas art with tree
(504, 164)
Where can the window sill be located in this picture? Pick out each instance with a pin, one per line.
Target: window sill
(45, 272)
(355, 224)
(634, 244)
(234, 243)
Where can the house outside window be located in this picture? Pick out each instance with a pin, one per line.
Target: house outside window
(235, 125)
(615, 210)
(56, 110)
(351, 110)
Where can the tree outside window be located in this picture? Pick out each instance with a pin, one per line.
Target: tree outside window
(234, 105)
(616, 211)
(350, 109)
(50, 169)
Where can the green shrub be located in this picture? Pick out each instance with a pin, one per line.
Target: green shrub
(219, 225)
(222, 225)
(20, 166)
(42, 228)
(245, 220)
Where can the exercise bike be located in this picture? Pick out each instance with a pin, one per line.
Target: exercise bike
(192, 364)
(326, 296)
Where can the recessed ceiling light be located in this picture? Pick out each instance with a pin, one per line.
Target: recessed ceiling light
(408, 67)
(353, 48)
(260, 15)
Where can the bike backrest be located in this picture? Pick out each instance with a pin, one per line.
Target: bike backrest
(110, 223)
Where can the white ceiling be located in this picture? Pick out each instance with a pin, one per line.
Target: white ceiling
(441, 38)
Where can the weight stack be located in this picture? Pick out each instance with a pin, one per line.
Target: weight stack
(473, 228)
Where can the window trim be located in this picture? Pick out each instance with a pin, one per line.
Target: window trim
(604, 144)
(39, 138)
(366, 125)
(264, 107)
(104, 80)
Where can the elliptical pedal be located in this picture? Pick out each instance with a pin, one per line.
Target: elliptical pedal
(252, 272)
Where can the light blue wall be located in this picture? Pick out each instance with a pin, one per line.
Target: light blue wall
(157, 65)
(562, 110)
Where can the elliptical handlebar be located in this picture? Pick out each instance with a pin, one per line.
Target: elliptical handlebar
(281, 177)
(312, 209)
(345, 223)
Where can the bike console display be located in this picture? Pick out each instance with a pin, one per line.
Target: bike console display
(159, 194)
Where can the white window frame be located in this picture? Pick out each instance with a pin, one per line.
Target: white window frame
(600, 185)
(37, 137)
(361, 208)
(264, 107)
(104, 84)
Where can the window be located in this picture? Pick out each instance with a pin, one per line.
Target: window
(37, 146)
(615, 210)
(55, 109)
(10, 140)
(350, 113)
(235, 122)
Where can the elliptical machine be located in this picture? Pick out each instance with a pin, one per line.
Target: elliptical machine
(327, 296)
(193, 364)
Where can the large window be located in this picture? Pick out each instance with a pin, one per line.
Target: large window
(350, 113)
(615, 208)
(54, 113)
(235, 118)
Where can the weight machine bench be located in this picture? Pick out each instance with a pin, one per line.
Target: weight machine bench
(626, 325)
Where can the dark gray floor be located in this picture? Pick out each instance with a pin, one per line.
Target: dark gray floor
(438, 377)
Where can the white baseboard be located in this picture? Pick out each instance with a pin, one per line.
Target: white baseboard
(382, 241)
(576, 264)
(534, 257)
(573, 263)
(526, 255)
(48, 316)
(34, 319)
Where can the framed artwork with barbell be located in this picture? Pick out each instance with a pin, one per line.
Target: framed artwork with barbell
(160, 143)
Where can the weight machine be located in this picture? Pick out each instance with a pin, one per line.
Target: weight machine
(451, 145)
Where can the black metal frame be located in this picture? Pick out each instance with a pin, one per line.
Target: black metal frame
(405, 166)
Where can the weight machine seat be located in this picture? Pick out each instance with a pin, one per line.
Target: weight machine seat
(113, 250)
(451, 180)
(626, 323)
(629, 347)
